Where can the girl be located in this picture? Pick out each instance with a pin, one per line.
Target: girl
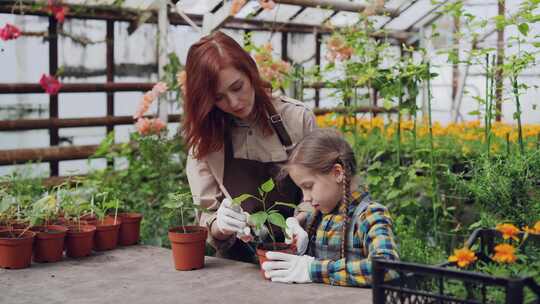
(345, 230)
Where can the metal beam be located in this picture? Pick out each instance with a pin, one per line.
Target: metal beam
(337, 6)
(24, 88)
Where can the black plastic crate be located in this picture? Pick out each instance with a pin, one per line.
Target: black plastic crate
(418, 284)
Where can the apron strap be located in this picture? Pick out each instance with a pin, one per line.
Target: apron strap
(366, 200)
(279, 127)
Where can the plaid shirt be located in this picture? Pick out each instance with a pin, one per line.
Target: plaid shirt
(373, 237)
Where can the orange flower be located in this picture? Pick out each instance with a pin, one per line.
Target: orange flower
(463, 257)
(236, 6)
(504, 253)
(508, 231)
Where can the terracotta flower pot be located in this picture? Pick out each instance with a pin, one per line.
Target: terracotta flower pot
(89, 219)
(130, 228)
(49, 243)
(279, 247)
(188, 248)
(106, 237)
(79, 240)
(16, 253)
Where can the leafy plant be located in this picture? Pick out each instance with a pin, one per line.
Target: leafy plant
(267, 215)
(181, 203)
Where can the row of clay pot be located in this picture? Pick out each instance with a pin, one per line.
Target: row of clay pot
(48, 243)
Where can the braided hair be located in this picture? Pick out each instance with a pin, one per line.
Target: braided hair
(320, 151)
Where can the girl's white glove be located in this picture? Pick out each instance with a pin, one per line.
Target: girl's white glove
(231, 219)
(287, 268)
(296, 232)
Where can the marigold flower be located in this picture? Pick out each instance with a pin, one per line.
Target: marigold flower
(463, 257)
(504, 253)
(50, 84)
(9, 32)
(508, 231)
(534, 230)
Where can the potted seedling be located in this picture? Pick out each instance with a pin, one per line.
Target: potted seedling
(107, 227)
(266, 218)
(49, 242)
(187, 241)
(80, 235)
(15, 244)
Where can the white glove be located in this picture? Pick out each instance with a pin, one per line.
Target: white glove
(296, 232)
(231, 219)
(287, 268)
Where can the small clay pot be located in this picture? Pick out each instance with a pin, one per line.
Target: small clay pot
(79, 240)
(49, 243)
(188, 246)
(106, 237)
(130, 228)
(16, 248)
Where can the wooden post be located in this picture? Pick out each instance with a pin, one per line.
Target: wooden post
(54, 139)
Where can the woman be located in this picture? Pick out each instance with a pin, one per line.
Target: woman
(236, 133)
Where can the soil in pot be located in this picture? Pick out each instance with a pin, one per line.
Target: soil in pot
(279, 247)
(16, 248)
(49, 243)
(129, 229)
(79, 240)
(188, 246)
(106, 237)
(89, 219)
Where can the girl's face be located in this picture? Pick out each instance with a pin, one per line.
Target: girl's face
(323, 191)
(235, 94)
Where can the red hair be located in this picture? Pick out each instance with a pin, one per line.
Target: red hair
(204, 123)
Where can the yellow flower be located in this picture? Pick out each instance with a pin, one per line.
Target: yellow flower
(463, 257)
(508, 231)
(534, 230)
(504, 253)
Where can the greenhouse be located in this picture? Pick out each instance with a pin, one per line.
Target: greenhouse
(253, 151)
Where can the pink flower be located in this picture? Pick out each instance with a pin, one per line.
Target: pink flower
(9, 32)
(50, 84)
(147, 126)
(159, 88)
(267, 4)
(59, 11)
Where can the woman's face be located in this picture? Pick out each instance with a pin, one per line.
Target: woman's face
(235, 94)
(323, 191)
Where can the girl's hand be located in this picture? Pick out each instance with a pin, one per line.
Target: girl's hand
(295, 234)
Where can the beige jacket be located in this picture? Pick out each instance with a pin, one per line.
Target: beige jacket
(205, 176)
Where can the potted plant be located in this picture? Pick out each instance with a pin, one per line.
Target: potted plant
(49, 242)
(15, 244)
(80, 236)
(187, 241)
(265, 218)
(107, 227)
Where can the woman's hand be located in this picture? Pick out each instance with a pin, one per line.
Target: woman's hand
(230, 218)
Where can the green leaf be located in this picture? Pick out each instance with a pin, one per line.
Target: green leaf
(258, 218)
(277, 219)
(239, 199)
(523, 29)
(268, 185)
